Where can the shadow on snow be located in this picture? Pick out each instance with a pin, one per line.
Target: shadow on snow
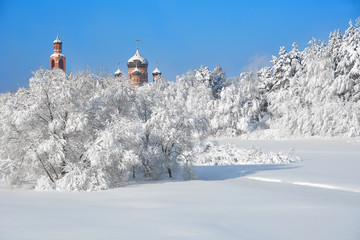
(213, 173)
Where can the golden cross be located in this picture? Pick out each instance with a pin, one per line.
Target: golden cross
(137, 44)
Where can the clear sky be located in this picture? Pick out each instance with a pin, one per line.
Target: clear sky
(180, 35)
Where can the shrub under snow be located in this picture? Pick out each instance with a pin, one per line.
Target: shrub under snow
(211, 154)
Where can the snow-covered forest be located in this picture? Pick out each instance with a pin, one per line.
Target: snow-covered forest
(86, 131)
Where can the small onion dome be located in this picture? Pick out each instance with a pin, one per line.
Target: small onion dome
(118, 73)
(156, 71)
(138, 60)
(57, 40)
(136, 72)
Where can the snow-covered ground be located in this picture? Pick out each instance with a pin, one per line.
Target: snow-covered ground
(316, 198)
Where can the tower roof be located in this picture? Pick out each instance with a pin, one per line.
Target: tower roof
(118, 72)
(136, 71)
(57, 40)
(156, 71)
(137, 57)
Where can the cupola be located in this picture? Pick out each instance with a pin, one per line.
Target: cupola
(118, 73)
(136, 72)
(137, 59)
(156, 73)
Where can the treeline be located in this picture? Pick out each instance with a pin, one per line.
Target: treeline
(314, 92)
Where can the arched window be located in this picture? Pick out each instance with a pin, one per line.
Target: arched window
(61, 64)
(52, 64)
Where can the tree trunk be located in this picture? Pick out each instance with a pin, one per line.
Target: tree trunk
(169, 172)
(63, 165)
(47, 172)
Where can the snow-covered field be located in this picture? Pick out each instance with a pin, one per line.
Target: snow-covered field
(316, 198)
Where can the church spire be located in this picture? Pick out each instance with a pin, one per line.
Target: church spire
(57, 40)
(137, 47)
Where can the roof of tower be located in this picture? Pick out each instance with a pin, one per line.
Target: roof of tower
(156, 71)
(136, 71)
(138, 57)
(118, 72)
(57, 40)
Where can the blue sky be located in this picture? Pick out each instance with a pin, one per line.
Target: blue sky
(180, 35)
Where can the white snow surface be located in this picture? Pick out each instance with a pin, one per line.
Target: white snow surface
(315, 198)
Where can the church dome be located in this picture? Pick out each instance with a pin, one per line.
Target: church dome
(156, 71)
(138, 60)
(118, 72)
(57, 40)
(136, 72)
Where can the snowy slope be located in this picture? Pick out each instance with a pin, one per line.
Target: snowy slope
(225, 202)
(325, 161)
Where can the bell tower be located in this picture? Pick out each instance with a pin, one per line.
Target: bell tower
(57, 59)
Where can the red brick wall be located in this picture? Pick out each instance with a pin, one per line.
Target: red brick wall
(143, 78)
(56, 62)
(57, 49)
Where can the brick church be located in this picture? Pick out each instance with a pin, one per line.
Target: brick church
(138, 69)
(137, 65)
